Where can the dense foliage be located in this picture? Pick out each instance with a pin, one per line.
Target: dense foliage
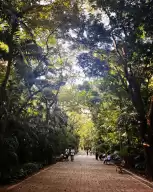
(124, 70)
(33, 127)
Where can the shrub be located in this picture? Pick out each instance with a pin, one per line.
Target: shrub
(30, 168)
(20, 172)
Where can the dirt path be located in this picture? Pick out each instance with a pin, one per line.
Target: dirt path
(85, 174)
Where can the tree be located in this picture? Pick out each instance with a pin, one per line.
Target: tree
(130, 56)
(33, 126)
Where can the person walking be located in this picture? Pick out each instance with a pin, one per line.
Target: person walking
(67, 154)
(96, 155)
(72, 153)
(90, 152)
(87, 152)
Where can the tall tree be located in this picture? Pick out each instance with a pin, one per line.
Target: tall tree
(130, 56)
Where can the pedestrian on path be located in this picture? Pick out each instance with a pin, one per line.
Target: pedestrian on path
(67, 153)
(96, 155)
(87, 152)
(72, 153)
(107, 158)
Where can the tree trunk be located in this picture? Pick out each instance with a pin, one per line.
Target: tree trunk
(3, 95)
(4, 116)
(149, 162)
(134, 91)
(145, 132)
(149, 149)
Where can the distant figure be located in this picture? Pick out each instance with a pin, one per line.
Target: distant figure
(72, 153)
(107, 159)
(100, 156)
(67, 153)
(96, 155)
(61, 157)
(90, 152)
(87, 152)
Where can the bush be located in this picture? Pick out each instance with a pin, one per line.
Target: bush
(30, 168)
(12, 175)
(25, 143)
(18, 173)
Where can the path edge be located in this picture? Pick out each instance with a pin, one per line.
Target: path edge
(140, 179)
(10, 187)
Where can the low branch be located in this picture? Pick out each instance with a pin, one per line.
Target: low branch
(27, 9)
(122, 80)
(47, 41)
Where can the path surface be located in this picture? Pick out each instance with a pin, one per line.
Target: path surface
(85, 174)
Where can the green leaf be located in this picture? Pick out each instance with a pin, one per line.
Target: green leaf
(52, 41)
(4, 47)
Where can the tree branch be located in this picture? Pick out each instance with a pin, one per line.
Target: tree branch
(29, 98)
